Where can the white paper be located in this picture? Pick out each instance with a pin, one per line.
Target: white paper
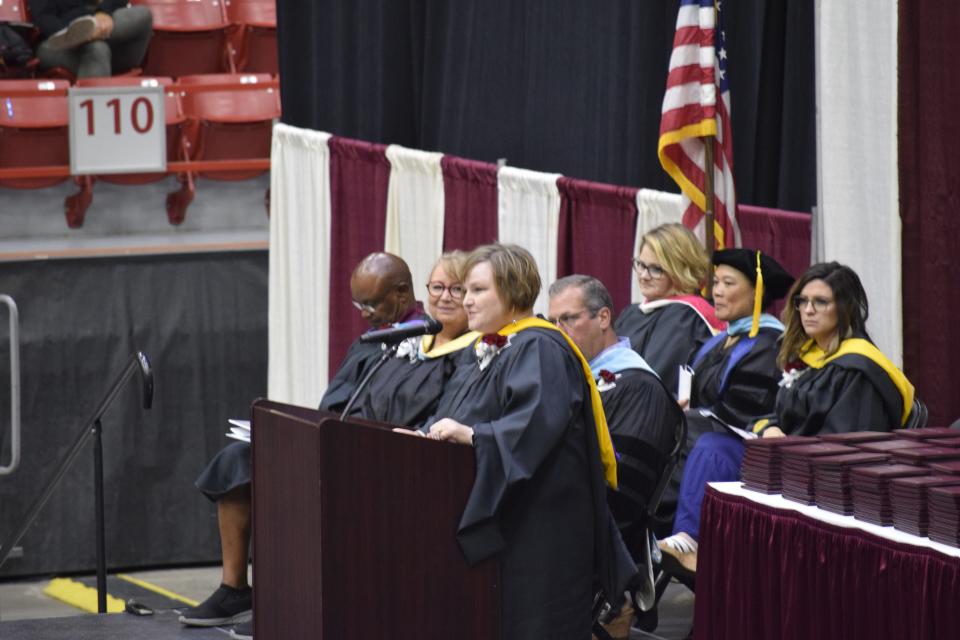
(745, 435)
(240, 430)
(684, 380)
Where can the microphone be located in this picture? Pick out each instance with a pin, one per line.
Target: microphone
(402, 331)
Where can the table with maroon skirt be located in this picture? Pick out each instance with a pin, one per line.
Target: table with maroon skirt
(771, 568)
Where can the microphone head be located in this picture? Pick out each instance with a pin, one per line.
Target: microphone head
(434, 326)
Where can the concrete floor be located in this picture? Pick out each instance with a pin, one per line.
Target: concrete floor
(25, 600)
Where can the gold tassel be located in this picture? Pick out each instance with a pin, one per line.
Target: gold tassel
(757, 301)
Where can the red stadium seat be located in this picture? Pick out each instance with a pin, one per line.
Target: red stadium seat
(13, 11)
(229, 123)
(189, 36)
(228, 118)
(254, 44)
(33, 129)
(34, 133)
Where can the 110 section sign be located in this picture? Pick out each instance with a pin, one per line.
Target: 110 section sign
(117, 130)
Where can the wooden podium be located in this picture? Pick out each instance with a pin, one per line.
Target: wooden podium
(355, 533)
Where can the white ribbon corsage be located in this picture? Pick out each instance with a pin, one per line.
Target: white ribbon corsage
(790, 376)
(409, 348)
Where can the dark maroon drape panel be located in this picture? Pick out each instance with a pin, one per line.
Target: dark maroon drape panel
(929, 99)
(783, 235)
(359, 174)
(770, 573)
(597, 227)
(470, 203)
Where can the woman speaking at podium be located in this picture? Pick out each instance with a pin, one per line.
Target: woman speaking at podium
(529, 407)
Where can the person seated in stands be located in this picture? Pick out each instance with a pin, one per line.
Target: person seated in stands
(91, 39)
(382, 290)
(529, 407)
(641, 414)
(406, 389)
(834, 380)
(673, 320)
(735, 374)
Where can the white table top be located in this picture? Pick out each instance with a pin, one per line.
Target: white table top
(849, 522)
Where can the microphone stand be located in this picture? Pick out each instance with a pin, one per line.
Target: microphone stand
(388, 352)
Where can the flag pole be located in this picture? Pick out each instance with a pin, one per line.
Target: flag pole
(708, 215)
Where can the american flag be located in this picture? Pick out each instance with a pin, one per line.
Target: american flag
(698, 72)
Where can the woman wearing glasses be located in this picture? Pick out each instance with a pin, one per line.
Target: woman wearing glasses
(673, 320)
(834, 380)
(406, 389)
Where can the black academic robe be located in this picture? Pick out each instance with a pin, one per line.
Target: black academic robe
(851, 393)
(351, 371)
(752, 385)
(538, 499)
(666, 337)
(406, 392)
(349, 374)
(642, 417)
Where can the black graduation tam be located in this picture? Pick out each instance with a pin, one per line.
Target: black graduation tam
(776, 280)
(770, 279)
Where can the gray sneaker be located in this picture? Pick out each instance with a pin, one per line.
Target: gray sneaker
(78, 32)
(225, 606)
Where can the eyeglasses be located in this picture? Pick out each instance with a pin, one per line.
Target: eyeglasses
(819, 304)
(567, 319)
(436, 289)
(653, 271)
(369, 308)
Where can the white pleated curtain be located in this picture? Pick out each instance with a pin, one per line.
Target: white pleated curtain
(654, 208)
(414, 229)
(299, 289)
(529, 215)
(859, 209)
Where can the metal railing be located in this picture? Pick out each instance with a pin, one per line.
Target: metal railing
(91, 428)
(14, 386)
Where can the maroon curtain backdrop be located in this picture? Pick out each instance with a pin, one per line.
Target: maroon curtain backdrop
(929, 99)
(783, 235)
(771, 573)
(359, 174)
(597, 227)
(470, 203)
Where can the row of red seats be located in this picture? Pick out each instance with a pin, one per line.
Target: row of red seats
(199, 36)
(218, 126)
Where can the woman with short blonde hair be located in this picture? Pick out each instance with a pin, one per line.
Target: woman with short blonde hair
(529, 407)
(673, 320)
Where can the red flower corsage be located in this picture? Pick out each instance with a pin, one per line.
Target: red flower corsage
(608, 376)
(494, 339)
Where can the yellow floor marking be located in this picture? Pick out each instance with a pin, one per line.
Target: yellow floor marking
(149, 586)
(81, 596)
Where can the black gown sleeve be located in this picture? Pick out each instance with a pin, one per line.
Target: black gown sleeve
(359, 357)
(643, 418)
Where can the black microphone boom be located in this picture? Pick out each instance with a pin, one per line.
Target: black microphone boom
(404, 330)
